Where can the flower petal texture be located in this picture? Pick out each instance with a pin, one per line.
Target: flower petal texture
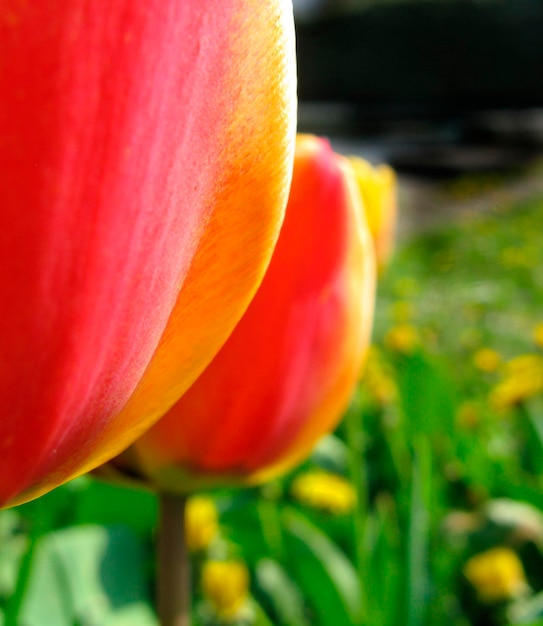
(286, 374)
(141, 144)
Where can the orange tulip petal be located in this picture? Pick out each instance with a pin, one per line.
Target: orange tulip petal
(157, 152)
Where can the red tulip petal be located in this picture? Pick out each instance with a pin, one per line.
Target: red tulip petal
(286, 373)
(123, 138)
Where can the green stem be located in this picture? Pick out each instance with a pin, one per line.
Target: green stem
(359, 478)
(174, 589)
(270, 522)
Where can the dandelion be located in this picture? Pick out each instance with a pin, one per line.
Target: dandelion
(538, 335)
(201, 523)
(325, 491)
(497, 575)
(487, 360)
(377, 380)
(523, 379)
(225, 585)
(402, 338)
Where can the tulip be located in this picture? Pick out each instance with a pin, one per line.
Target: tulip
(145, 156)
(378, 186)
(287, 372)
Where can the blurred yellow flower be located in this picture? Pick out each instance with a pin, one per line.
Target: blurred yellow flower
(201, 523)
(538, 335)
(487, 360)
(225, 585)
(523, 364)
(379, 383)
(378, 186)
(523, 378)
(402, 338)
(325, 491)
(497, 575)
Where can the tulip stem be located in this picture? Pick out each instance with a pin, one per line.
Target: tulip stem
(174, 587)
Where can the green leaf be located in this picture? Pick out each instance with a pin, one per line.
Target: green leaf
(282, 593)
(260, 617)
(135, 614)
(418, 536)
(426, 398)
(325, 574)
(87, 575)
(531, 411)
(332, 454)
(101, 503)
(383, 558)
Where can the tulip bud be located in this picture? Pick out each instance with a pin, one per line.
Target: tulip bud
(378, 187)
(145, 156)
(287, 372)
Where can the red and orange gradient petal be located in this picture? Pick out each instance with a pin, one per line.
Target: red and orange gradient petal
(145, 156)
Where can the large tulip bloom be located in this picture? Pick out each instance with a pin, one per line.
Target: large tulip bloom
(286, 374)
(145, 153)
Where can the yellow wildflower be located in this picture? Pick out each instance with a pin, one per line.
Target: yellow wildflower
(325, 491)
(523, 364)
(201, 523)
(377, 380)
(497, 575)
(523, 378)
(225, 585)
(378, 187)
(538, 335)
(487, 360)
(402, 338)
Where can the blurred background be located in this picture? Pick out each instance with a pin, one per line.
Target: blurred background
(435, 88)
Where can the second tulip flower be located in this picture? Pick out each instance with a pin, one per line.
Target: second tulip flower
(286, 374)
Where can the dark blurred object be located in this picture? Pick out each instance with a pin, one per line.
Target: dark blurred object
(425, 59)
